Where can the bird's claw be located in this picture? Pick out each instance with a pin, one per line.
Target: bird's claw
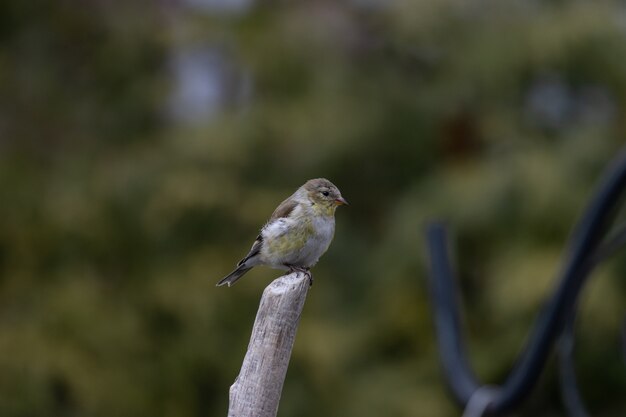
(305, 271)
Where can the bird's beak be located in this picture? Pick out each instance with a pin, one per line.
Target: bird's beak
(341, 202)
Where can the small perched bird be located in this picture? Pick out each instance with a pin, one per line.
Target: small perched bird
(298, 233)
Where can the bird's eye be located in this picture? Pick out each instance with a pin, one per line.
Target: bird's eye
(325, 193)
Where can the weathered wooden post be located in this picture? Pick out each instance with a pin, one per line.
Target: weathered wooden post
(256, 391)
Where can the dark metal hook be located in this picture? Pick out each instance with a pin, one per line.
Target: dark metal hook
(583, 250)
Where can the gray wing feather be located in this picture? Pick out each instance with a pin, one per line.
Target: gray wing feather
(284, 209)
(254, 250)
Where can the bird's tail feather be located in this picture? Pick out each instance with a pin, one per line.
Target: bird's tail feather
(231, 278)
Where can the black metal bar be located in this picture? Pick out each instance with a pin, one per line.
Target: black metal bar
(577, 266)
(459, 374)
(570, 394)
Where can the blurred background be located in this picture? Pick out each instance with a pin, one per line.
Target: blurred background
(144, 143)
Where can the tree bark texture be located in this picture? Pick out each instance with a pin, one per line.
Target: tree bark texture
(256, 391)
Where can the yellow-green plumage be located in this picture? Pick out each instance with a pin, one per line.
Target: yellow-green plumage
(295, 240)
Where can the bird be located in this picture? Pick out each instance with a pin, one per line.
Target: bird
(297, 234)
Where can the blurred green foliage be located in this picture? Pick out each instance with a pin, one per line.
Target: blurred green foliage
(117, 218)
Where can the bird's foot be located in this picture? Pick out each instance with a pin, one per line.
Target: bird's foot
(309, 275)
(305, 271)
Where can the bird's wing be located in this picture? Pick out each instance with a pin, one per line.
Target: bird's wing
(254, 250)
(284, 209)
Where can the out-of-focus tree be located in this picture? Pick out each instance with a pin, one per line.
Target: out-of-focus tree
(142, 145)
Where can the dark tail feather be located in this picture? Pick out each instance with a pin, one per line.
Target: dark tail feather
(231, 278)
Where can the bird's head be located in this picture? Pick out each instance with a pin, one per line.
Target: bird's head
(324, 194)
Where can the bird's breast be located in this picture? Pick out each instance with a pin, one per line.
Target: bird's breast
(324, 227)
